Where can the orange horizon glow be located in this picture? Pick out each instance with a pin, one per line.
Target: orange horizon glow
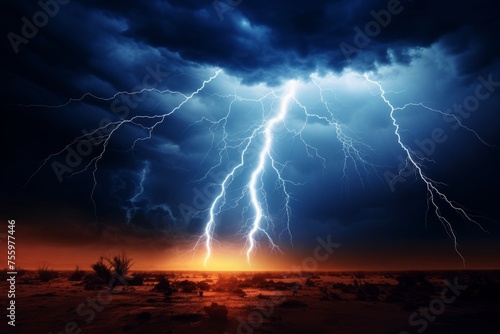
(72, 250)
(66, 258)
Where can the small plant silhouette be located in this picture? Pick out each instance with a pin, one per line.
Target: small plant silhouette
(76, 275)
(45, 274)
(216, 312)
(120, 263)
(102, 270)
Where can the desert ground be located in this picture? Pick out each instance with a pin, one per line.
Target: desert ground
(270, 302)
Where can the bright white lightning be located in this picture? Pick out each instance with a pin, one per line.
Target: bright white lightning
(263, 156)
(416, 161)
(264, 159)
(267, 127)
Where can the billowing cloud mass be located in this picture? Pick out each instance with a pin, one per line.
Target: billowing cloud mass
(442, 54)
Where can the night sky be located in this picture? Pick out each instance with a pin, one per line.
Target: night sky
(62, 74)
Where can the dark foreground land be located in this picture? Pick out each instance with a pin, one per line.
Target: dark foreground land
(197, 302)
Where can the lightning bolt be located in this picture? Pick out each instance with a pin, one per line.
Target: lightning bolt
(434, 196)
(256, 156)
(130, 211)
(264, 158)
(267, 128)
(104, 134)
(351, 147)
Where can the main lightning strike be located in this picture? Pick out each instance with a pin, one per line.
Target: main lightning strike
(263, 156)
(416, 161)
(266, 127)
(255, 187)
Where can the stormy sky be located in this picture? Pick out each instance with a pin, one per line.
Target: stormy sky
(153, 189)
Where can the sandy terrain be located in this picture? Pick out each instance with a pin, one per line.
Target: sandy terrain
(326, 303)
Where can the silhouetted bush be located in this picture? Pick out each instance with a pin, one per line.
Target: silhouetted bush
(324, 293)
(3, 275)
(216, 312)
(329, 294)
(359, 275)
(93, 282)
(120, 263)
(163, 285)
(282, 286)
(203, 286)
(345, 288)
(76, 275)
(102, 270)
(259, 280)
(227, 283)
(45, 274)
(20, 271)
(239, 292)
(187, 286)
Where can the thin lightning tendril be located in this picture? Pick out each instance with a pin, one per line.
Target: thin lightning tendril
(416, 161)
(113, 127)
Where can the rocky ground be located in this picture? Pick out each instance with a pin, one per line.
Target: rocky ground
(446, 302)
